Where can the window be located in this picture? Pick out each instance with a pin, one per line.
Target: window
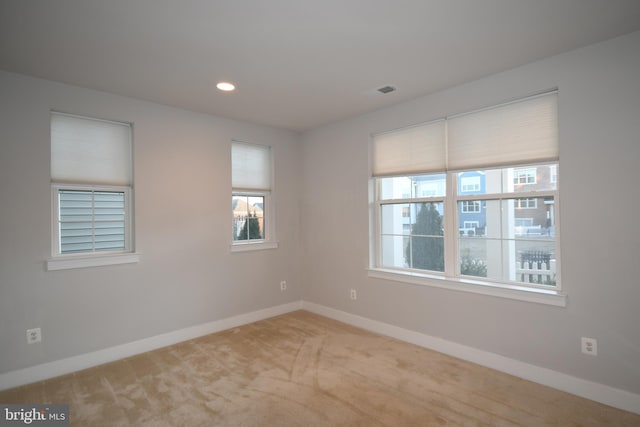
(471, 206)
(470, 234)
(524, 176)
(469, 184)
(252, 220)
(91, 188)
(531, 203)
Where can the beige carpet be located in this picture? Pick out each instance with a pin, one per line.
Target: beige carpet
(301, 369)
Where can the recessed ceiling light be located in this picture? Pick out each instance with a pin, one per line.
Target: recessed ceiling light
(226, 86)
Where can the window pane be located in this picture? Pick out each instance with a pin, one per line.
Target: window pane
(473, 256)
(412, 235)
(507, 234)
(427, 253)
(531, 218)
(535, 262)
(248, 217)
(411, 187)
(396, 218)
(394, 251)
(508, 180)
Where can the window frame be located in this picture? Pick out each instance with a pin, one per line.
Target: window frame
(128, 255)
(269, 239)
(451, 277)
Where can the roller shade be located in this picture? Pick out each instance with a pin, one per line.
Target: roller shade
(523, 131)
(251, 166)
(410, 150)
(90, 151)
(519, 132)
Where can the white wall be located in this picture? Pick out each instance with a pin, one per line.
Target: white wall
(599, 115)
(186, 276)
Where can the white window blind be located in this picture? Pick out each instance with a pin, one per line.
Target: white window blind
(251, 166)
(90, 151)
(416, 149)
(524, 131)
(519, 132)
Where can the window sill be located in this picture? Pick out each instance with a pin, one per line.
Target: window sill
(521, 293)
(83, 261)
(258, 246)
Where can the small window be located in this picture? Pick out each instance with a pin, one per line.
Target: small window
(524, 176)
(252, 215)
(471, 206)
(91, 185)
(469, 184)
(530, 203)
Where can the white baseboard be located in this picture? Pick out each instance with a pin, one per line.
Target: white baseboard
(607, 395)
(88, 360)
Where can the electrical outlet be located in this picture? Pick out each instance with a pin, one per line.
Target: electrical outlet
(34, 335)
(283, 285)
(590, 346)
(353, 294)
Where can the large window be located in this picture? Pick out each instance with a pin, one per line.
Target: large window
(252, 216)
(91, 185)
(490, 216)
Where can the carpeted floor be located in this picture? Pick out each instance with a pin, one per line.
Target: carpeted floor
(301, 369)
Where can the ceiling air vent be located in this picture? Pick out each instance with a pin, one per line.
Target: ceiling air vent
(386, 89)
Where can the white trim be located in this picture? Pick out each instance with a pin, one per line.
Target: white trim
(254, 246)
(520, 293)
(88, 360)
(68, 262)
(601, 393)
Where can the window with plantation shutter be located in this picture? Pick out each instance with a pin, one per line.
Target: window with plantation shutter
(91, 185)
(91, 220)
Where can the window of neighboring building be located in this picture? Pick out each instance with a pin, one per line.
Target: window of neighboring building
(469, 231)
(471, 206)
(470, 184)
(553, 172)
(530, 203)
(524, 176)
(252, 218)
(91, 185)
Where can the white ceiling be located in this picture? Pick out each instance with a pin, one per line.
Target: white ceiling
(297, 64)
